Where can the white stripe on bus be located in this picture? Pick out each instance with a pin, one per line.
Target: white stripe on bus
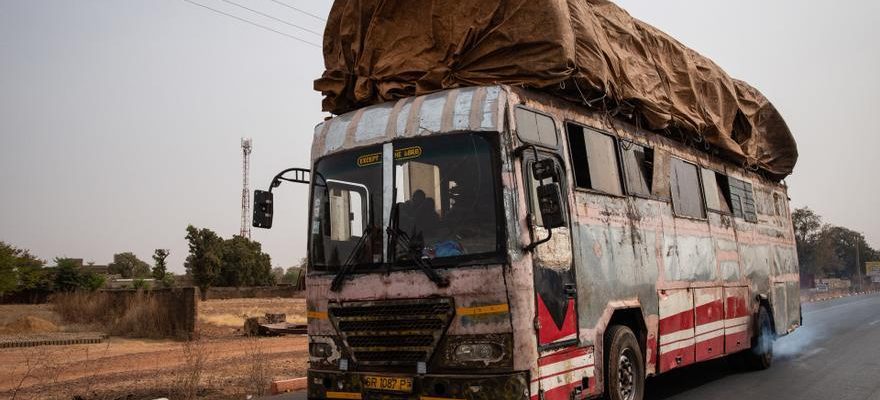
(677, 345)
(676, 336)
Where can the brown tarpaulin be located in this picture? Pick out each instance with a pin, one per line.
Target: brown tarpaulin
(381, 50)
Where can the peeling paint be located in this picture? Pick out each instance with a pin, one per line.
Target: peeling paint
(623, 253)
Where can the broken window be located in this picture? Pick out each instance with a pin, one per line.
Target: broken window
(779, 204)
(594, 160)
(687, 198)
(638, 168)
(536, 128)
(717, 191)
(742, 199)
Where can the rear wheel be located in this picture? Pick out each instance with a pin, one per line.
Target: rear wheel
(624, 365)
(760, 356)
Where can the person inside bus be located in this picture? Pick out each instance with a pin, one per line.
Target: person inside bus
(418, 216)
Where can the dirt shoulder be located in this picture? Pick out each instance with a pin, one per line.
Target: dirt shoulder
(133, 369)
(222, 364)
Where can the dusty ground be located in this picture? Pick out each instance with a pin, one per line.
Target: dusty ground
(12, 312)
(223, 364)
(231, 314)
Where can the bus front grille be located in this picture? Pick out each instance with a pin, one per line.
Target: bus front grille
(398, 332)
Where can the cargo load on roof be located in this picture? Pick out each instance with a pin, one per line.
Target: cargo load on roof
(589, 51)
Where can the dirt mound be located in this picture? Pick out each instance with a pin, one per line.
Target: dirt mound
(29, 324)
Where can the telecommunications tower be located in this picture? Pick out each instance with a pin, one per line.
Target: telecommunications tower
(246, 149)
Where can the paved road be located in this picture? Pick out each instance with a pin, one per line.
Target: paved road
(834, 356)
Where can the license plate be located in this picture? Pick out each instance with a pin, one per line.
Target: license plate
(403, 385)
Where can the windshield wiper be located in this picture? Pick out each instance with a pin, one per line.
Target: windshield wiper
(346, 269)
(398, 236)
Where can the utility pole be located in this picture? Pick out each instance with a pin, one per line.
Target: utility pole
(246, 148)
(859, 262)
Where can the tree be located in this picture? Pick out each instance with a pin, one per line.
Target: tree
(66, 275)
(278, 274)
(91, 281)
(204, 259)
(824, 259)
(291, 277)
(828, 250)
(70, 277)
(140, 284)
(160, 269)
(807, 227)
(167, 280)
(807, 224)
(8, 270)
(245, 264)
(849, 247)
(129, 266)
(31, 273)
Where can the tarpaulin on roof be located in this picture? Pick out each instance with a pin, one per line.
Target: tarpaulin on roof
(381, 50)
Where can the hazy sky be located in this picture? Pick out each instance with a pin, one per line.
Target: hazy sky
(120, 120)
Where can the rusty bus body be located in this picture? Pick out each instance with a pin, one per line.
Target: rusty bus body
(688, 276)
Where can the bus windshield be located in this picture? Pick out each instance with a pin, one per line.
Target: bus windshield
(446, 192)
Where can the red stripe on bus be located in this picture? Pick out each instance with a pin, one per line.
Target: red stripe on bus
(565, 355)
(710, 312)
(549, 332)
(677, 322)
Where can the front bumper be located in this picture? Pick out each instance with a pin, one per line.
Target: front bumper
(349, 385)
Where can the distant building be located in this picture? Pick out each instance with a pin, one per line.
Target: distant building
(127, 283)
(833, 283)
(97, 269)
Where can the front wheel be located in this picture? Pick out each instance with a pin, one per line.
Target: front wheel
(624, 365)
(760, 356)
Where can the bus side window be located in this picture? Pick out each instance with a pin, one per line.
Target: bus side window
(687, 198)
(594, 160)
(638, 168)
(779, 204)
(717, 190)
(535, 128)
(743, 200)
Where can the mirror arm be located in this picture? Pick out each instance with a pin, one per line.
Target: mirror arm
(263, 199)
(518, 152)
(533, 245)
(300, 176)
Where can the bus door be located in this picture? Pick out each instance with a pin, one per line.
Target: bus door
(563, 367)
(555, 293)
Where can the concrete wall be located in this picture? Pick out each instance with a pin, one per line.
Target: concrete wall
(222, 293)
(168, 312)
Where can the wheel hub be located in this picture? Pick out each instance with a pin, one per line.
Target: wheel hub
(626, 376)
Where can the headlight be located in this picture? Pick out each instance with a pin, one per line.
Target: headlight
(479, 352)
(320, 350)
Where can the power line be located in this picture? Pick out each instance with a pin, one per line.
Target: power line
(319, 18)
(318, 34)
(254, 24)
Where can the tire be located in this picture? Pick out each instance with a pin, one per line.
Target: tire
(624, 365)
(760, 356)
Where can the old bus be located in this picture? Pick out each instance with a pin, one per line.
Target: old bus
(500, 243)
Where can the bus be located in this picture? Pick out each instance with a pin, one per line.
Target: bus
(495, 242)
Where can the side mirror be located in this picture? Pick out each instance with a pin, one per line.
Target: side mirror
(550, 204)
(544, 169)
(263, 209)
